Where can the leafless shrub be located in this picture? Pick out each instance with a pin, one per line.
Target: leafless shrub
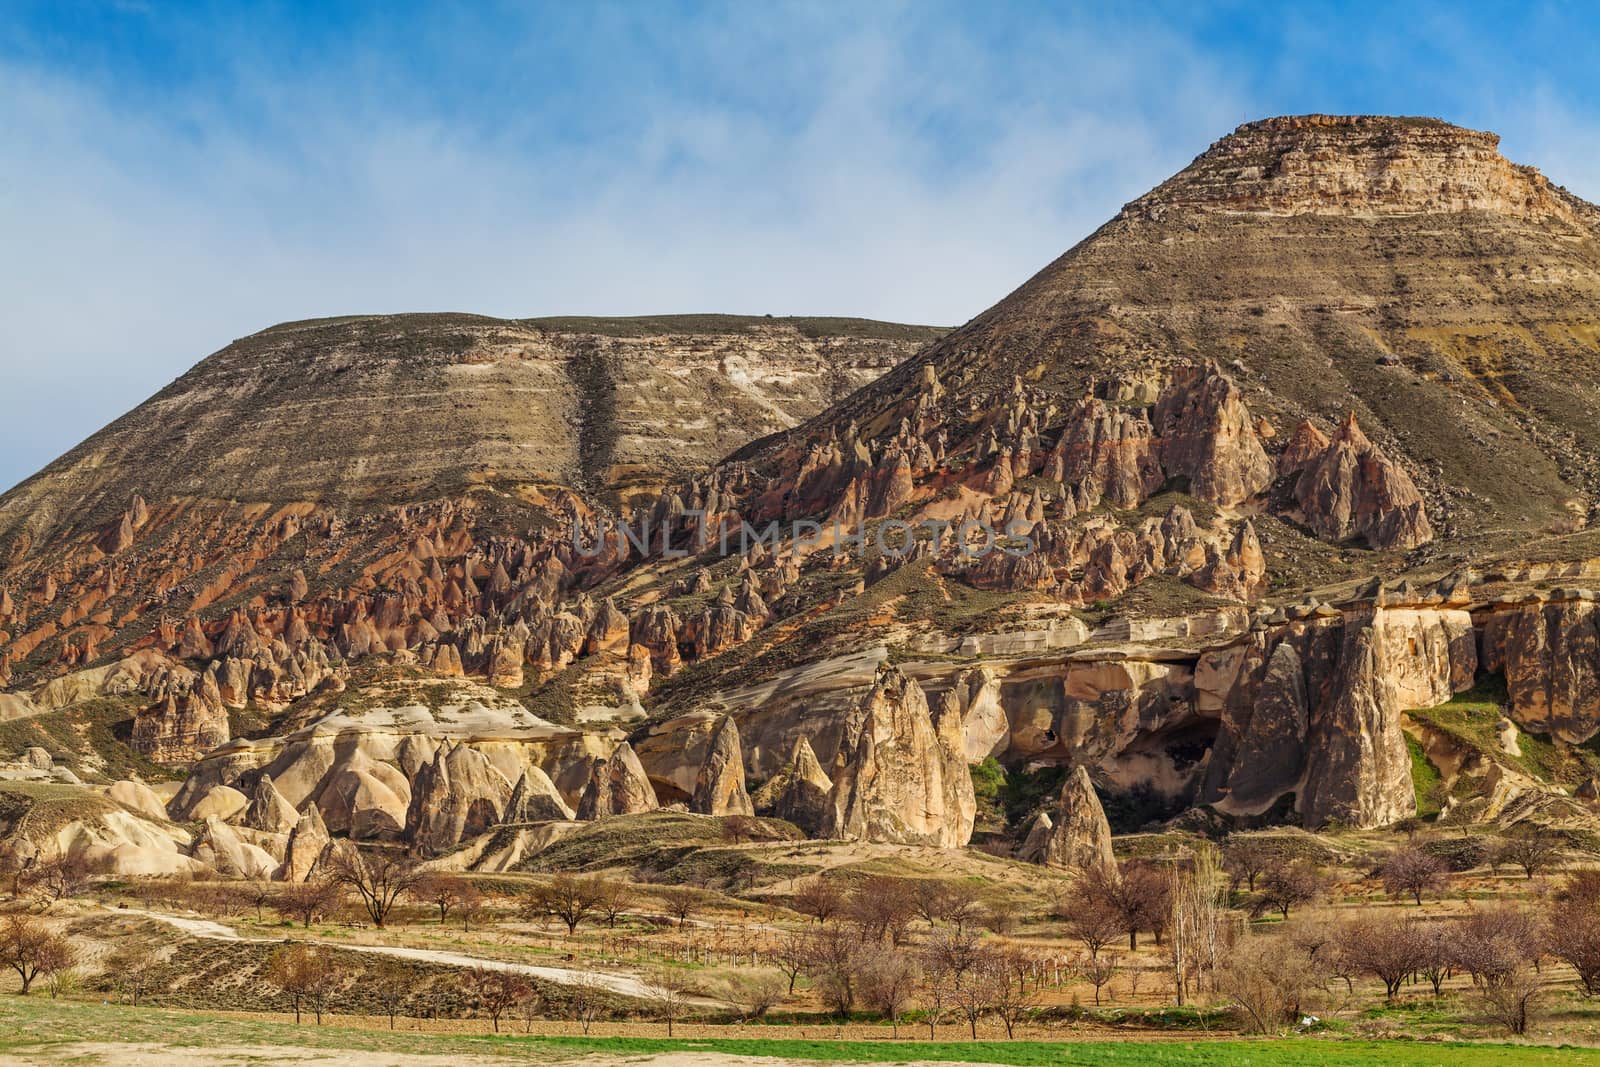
(888, 980)
(307, 975)
(308, 901)
(757, 994)
(821, 899)
(1411, 872)
(33, 950)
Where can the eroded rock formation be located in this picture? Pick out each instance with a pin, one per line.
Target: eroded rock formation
(899, 778)
(617, 786)
(719, 787)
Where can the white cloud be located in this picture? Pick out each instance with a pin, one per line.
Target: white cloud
(142, 241)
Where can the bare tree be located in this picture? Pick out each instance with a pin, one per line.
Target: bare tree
(833, 959)
(471, 905)
(1009, 1001)
(59, 877)
(669, 996)
(1285, 886)
(953, 951)
(1532, 848)
(682, 902)
(888, 981)
(308, 901)
(306, 975)
(32, 949)
(1095, 923)
(528, 1008)
(821, 900)
(984, 986)
(390, 984)
(1573, 934)
(1098, 971)
(1140, 894)
(442, 891)
(612, 897)
(258, 895)
(1493, 944)
(738, 829)
(882, 907)
(496, 990)
(1386, 947)
(1196, 896)
(1436, 954)
(1411, 872)
(1248, 858)
(380, 879)
(133, 967)
(1513, 1001)
(938, 992)
(1000, 915)
(566, 897)
(586, 1001)
(790, 954)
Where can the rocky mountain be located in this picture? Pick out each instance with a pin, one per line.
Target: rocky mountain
(298, 458)
(1220, 518)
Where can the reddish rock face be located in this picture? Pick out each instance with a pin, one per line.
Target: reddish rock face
(1353, 490)
(1115, 412)
(1549, 650)
(1208, 437)
(180, 729)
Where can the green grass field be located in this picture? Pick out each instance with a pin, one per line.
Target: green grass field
(39, 1030)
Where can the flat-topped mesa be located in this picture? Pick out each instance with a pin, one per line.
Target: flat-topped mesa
(1356, 165)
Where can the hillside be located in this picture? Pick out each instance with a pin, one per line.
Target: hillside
(397, 408)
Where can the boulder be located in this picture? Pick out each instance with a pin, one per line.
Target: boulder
(1358, 769)
(222, 849)
(719, 788)
(268, 811)
(535, 798)
(1353, 490)
(1209, 438)
(183, 728)
(365, 797)
(986, 731)
(1270, 755)
(1549, 650)
(221, 801)
(1035, 847)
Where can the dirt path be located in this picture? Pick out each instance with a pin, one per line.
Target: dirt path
(616, 983)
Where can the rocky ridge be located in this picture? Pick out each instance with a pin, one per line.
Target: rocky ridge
(1185, 612)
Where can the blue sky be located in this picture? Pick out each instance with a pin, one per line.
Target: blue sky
(173, 176)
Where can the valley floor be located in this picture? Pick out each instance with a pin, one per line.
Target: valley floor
(37, 1030)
